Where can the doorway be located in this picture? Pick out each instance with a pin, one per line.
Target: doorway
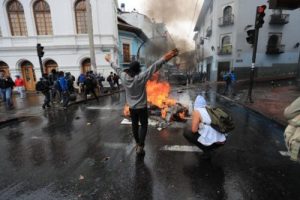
(208, 68)
(86, 65)
(50, 65)
(223, 67)
(28, 75)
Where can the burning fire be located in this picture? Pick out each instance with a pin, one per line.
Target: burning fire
(158, 94)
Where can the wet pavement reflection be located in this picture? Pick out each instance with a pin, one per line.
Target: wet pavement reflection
(84, 153)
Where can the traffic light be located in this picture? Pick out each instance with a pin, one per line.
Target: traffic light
(251, 36)
(40, 50)
(260, 14)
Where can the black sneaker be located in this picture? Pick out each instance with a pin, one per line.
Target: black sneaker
(140, 150)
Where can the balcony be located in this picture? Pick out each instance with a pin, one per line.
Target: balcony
(279, 19)
(225, 50)
(275, 49)
(226, 20)
(208, 31)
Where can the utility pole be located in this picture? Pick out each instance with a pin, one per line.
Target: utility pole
(259, 21)
(91, 35)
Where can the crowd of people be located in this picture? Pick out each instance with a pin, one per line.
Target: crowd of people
(58, 87)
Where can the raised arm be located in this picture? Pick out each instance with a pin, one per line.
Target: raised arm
(117, 69)
(158, 64)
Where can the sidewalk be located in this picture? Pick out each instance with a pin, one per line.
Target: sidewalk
(32, 105)
(268, 100)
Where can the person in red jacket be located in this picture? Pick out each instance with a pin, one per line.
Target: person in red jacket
(19, 83)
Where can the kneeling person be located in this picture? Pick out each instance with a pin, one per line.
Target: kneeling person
(202, 134)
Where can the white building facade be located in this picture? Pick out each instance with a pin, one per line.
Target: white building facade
(221, 32)
(61, 27)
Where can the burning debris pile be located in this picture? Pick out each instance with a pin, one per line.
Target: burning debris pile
(162, 108)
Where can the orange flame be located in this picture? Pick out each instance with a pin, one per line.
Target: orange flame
(158, 93)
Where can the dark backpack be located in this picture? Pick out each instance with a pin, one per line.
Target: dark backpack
(40, 86)
(109, 78)
(220, 120)
(2, 83)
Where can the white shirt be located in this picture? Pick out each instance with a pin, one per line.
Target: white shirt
(208, 135)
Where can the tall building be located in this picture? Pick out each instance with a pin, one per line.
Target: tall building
(221, 32)
(61, 27)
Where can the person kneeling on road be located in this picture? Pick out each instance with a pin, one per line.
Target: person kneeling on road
(134, 82)
(202, 134)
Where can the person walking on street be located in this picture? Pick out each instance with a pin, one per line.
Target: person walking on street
(19, 83)
(53, 78)
(228, 81)
(233, 82)
(134, 82)
(116, 80)
(202, 134)
(110, 81)
(80, 83)
(63, 84)
(90, 84)
(100, 79)
(6, 86)
(43, 86)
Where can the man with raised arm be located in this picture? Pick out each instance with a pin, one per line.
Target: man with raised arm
(134, 82)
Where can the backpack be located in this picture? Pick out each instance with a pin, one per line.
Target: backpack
(108, 78)
(2, 83)
(40, 86)
(220, 120)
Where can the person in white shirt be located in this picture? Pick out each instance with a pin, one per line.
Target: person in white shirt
(201, 133)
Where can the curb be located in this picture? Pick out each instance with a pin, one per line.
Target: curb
(15, 119)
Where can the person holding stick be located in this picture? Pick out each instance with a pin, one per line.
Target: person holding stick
(134, 82)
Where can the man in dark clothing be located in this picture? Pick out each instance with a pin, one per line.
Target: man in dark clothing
(70, 81)
(90, 84)
(134, 82)
(6, 86)
(100, 79)
(228, 81)
(110, 81)
(116, 80)
(46, 91)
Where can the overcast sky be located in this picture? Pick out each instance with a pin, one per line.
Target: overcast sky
(180, 27)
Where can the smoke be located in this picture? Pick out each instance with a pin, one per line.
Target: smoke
(178, 16)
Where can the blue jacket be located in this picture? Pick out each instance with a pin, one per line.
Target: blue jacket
(63, 84)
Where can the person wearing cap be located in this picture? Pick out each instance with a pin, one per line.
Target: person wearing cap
(134, 82)
(19, 83)
(202, 134)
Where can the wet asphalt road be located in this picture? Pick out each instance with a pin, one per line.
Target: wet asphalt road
(84, 153)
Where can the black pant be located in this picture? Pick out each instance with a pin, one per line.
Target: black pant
(90, 90)
(193, 138)
(47, 98)
(139, 115)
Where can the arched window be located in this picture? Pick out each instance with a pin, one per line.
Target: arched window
(227, 11)
(226, 41)
(16, 18)
(42, 18)
(86, 65)
(81, 17)
(273, 40)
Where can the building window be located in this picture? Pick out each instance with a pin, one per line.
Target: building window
(226, 46)
(274, 44)
(16, 18)
(42, 18)
(81, 17)
(126, 53)
(227, 13)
